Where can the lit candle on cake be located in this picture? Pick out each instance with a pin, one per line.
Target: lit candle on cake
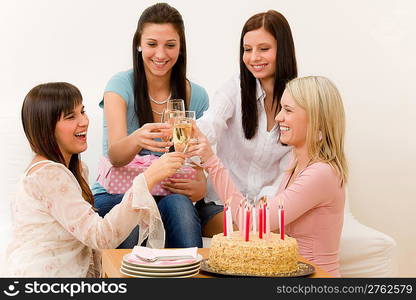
(241, 217)
(260, 221)
(229, 220)
(253, 217)
(247, 227)
(267, 221)
(264, 215)
(243, 228)
(224, 220)
(281, 220)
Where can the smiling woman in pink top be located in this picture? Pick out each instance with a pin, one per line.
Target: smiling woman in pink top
(312, 121)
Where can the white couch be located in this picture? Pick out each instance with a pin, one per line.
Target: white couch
(365, 252)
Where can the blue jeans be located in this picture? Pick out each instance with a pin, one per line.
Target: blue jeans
(181, 222)
(179, 216)
(207, 210)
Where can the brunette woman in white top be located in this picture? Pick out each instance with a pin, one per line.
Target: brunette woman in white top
(56, 231)
(240, 119)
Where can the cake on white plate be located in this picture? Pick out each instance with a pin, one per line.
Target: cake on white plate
(258, 257)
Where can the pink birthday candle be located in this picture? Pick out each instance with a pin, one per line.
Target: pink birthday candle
(224, 220)
(244, 220)
(260, 222)
(254, 218)
(229, 219)
(264, 216)
(247, 236)
(267, 221)
(281, 220)
(241, 218)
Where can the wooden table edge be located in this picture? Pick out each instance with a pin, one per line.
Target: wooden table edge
(111, 262)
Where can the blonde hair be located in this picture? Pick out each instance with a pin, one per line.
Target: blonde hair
(322, 102)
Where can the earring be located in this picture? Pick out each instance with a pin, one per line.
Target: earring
(139, 49)
(320, 135)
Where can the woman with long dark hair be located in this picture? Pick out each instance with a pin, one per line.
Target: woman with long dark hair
(240, 120)
(134, 100)
(56, 231)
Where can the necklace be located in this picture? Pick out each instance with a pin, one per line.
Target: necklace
(158, 113)
(160, 102)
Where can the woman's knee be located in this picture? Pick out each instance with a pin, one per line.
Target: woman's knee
(105, 202)
(175, 202)
(178, 209)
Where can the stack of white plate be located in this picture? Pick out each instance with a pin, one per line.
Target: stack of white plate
(134, 267)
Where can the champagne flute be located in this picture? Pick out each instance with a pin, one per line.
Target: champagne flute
(188, 161)
(165, 118)
(175, 105)
(182, 131)
(182, 135)
(171, 106)
(168, 117)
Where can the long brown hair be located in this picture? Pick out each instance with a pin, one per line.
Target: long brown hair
(286, 67)
(42, 109)
(160, 13)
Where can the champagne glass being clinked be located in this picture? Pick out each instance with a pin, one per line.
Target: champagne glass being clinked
(182, 132)
(175, 105)
(174, 108)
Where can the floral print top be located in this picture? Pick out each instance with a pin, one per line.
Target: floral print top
(56, 233)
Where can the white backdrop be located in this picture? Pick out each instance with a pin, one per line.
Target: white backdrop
(366, 47)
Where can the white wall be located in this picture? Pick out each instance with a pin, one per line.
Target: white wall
(366, 47)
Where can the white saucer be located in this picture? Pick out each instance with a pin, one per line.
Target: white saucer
(131, 267)
(165, 264)
(137, 274)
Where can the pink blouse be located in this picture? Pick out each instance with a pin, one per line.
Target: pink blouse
(56, 233)
(314, 209)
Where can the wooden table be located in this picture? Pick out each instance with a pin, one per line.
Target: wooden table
(112, 258)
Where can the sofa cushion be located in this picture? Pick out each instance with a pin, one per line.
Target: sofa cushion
(366, 252)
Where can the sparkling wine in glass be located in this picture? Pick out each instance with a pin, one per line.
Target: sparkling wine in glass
(184, 128)
(182, 133)
(175, 105)
(169, 117)
(165, 118)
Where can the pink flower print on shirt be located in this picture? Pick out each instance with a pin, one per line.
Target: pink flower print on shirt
(63, 189)
(49, 268)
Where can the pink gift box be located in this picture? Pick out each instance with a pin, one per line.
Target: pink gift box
(117, 180)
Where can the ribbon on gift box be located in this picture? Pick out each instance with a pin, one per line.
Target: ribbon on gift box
(143, 160)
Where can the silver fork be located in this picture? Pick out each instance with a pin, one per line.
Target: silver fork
(163, 257)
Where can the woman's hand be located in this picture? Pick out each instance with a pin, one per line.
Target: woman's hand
(122, 145)
(164, 167)
(146, 134)
(201, 147)
(193, 189)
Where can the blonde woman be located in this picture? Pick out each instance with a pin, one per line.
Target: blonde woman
(312, 121)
